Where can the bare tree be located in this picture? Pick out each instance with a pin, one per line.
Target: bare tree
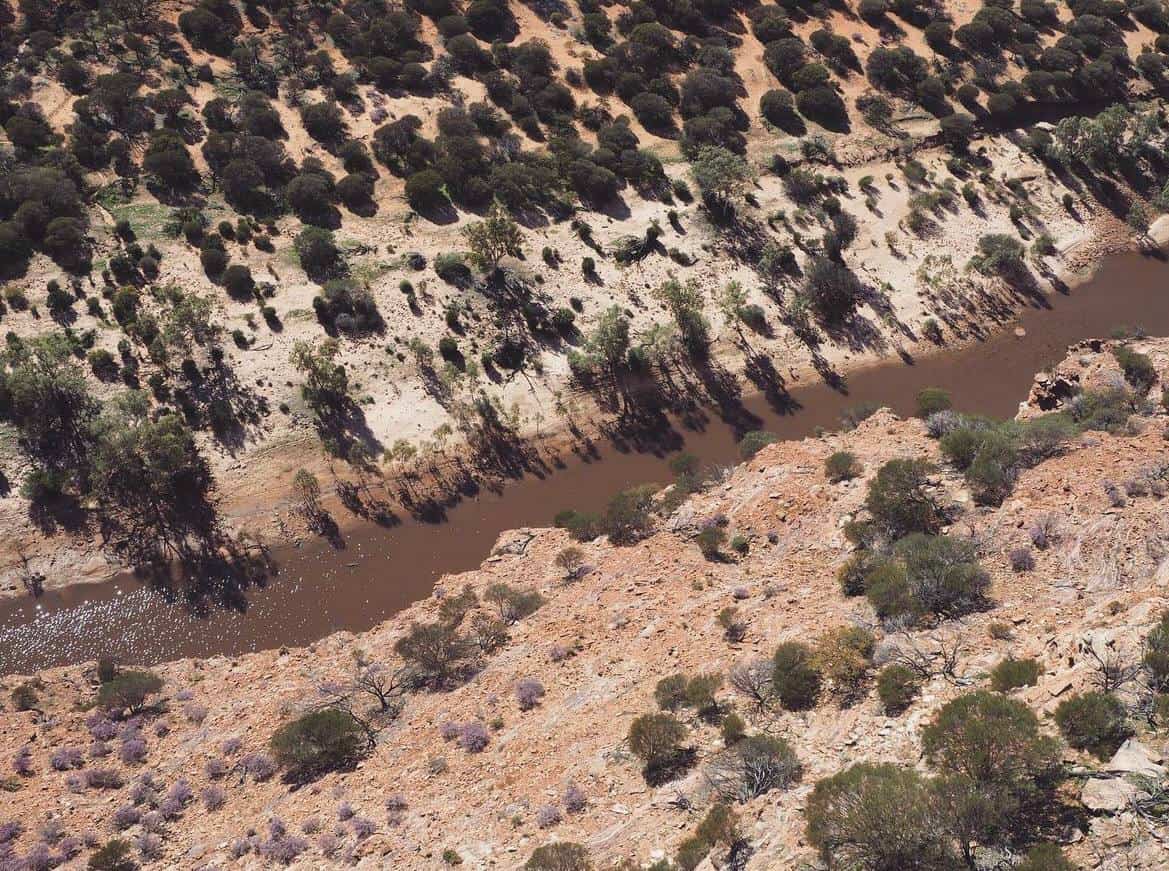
(939, 659)
(1111, 671)
(752, 680)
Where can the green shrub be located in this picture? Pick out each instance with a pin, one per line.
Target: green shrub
(1105, 410)
(898, 499)
(842, 466)
(897, 687)
(927, 575)
(670, 692)
(853, 575)
(691, 852)
(796, 682)
(655, 737)
(560, 856)
(1093, 721)
(710, 540)
(128, 690)
(1137, 367)
(753, 442)
(752, 767)
(931, 400)
(320, 741)
(113, 855)
(992, 740)
(1156, 658)
(1045, 857)
(733, 728)
(844, 656)
(1012, 673)
(878, 816)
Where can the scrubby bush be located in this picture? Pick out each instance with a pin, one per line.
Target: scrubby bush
(474, 737)
(752, 767)
(1138, 368)
(559, 856)
(237, 280)
(754, 441)
(113, 855)
(528, 693)
(899, 500)
(1022, 559)
(831, 290)
(877, 816)
(927, 575)
(317, 250)
(842, 466)
(128, 690)
(656, 739)
(843, 657)
(931, 400)
(795, 680)
(436, 649)
(319, 741)
(1156, 658)
(1093, 721)
(1013, 673)
(897, 687)
(992, 740)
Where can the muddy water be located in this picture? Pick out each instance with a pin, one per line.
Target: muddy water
(318, 590)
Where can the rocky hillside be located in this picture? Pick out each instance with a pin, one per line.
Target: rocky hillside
(499, 711)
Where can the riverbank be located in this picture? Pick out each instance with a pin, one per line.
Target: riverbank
(377, 571)
(254, 490)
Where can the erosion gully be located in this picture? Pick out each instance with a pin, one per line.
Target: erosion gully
(317, 589)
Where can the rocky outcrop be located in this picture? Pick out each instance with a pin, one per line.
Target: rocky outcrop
(597, 646)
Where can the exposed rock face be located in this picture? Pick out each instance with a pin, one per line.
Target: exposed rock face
(597, 646)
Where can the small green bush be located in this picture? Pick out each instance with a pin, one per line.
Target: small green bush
(560, 856)
(753, 442)
(329, 739)
(992, 740)
(128, 690)
(655, 737)
(897, 687)
(796, 682)
(1013, 673)
(1093, 721)
(842, 466)
(931, 400)
(899, 501)
(1137, 368)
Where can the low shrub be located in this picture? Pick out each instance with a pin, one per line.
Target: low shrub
(325, 740)
(897, 687)
(1093, 721)
(1013, 673)
(752, 767)
(795, 680)
(128, 691)
(559, 856)
(843, 657)
(842, 466)
(753, 442)
(932, 400)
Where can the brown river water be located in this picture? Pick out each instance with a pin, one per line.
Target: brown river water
(318, 590)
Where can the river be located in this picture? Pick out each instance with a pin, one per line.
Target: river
(318, 590)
